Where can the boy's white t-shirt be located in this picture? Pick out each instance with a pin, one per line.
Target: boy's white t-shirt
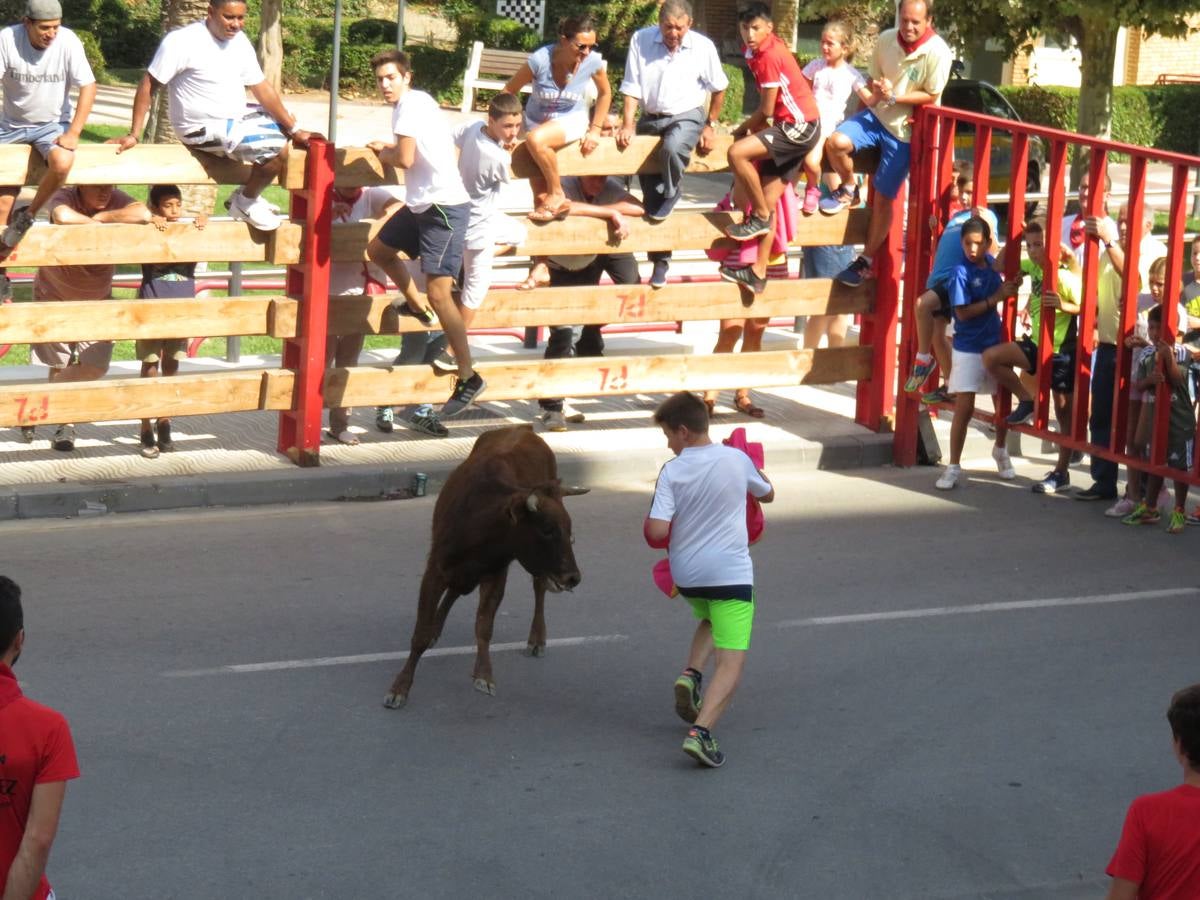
(433, 177)
(833, 87)
(206, 78)
(37, 83)
(483, 165)
(350, 277)
(702, 493)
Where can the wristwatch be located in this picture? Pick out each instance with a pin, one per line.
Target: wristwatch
(712, 123)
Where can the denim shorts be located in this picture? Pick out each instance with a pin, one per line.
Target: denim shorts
(40, 136)
(865, 130)
(436, 236)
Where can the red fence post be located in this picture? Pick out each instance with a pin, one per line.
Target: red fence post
(308, 282)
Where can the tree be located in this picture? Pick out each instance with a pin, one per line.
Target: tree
(270, 41)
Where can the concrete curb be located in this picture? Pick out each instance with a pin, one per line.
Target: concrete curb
(380, 482)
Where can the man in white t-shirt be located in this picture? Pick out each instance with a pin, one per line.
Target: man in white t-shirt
(41, 62)
(432, 225)
(699, 514)
(207, 67)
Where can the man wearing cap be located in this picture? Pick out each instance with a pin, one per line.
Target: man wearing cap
(42, 62)
(207, 67)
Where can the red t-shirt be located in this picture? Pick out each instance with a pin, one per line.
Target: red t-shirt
(1160, 845)
(35, 748)
(774, 66)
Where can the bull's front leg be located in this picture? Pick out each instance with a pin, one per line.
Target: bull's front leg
(432, 588)
(491, 592)
(537, 629)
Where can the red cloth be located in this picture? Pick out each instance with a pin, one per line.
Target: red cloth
(1160, 845)
(35, 748)
(909, 48)
(773, 65)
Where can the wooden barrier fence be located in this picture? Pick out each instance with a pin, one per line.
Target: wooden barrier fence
(308, 244)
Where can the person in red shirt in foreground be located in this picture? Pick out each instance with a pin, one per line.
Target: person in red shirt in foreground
(37, 758)
(1158, 857)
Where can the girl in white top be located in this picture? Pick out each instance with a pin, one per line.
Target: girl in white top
(557, 111)
(834, 83)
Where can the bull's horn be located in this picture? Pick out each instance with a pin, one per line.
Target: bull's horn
(531, 502)
(574, 490)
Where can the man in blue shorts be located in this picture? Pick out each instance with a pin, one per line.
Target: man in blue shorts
(910, 68)
(42, 62)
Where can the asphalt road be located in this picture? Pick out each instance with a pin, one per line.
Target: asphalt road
(964, 751)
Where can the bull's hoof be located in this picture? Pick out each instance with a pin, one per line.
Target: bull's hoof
(395, 701)
(485, 687)
(538, 650)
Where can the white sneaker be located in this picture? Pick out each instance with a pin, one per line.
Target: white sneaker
(553, 420)
(949, 478)
(257, 211)
(1004, 463)
(1120, 509)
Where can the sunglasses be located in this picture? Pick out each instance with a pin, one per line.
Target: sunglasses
(583, 48)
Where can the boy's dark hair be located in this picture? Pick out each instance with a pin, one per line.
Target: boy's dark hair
(977, 225)
(1036, 225)
(1184, 716)
(576, 23)
(12, 618)
(161, 192)
(1155, 314)
(683, 410)
(398, 57)
(752, 11)
(504, 105)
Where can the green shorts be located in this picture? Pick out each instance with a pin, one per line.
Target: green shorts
(732, 621)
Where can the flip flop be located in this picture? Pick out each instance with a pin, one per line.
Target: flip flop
(746, 406)
(544, 214)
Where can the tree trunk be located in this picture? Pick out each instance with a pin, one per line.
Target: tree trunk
(1099, 54)
(197, 198)
(270, 41)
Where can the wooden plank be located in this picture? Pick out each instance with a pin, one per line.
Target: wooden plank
(683, 230)
(137, 398)
(100, 164)
(228, 241)
(354, 167)
(527, 380)
(611, 304)
(108, 320)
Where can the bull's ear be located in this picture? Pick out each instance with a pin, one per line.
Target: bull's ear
(574, 490)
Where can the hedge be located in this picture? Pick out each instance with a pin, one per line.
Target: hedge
(1158, 116)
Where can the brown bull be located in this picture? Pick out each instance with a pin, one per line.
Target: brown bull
(504, 502)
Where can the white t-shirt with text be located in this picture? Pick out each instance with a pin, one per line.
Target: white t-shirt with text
(37, 83)
(433, 176)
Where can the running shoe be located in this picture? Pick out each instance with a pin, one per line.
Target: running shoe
(1022, 414)
(424, 421)
(920, 374)
(855, 273)
(658, 278)
(949, 478)
(812, 198)
(1004, 463)
(702, 747)
(553, 420)
(19, 223)
(385, 419)
(464, 394)
(64, 438)
(1053, 483)
(936, 396)
(839, 200)
(1178, 521)
(257, 212)
(687, 695)
(744, 277)
(753, 227)
(1142, 515)
(1120, 509)
(444, 364)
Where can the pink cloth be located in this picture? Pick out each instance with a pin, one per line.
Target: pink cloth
(747, 252)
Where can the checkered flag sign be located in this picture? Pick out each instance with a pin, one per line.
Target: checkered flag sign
(530, 13)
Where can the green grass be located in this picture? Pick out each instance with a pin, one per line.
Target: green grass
(1162, 222)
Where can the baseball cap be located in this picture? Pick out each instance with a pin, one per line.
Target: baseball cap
(43, 10)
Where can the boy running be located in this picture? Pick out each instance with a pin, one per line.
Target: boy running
(699, 512)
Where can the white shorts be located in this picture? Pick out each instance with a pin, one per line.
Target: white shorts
(968, 375)
(574, 126)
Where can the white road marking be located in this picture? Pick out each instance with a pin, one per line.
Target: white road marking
(933, 611)
(320, 661)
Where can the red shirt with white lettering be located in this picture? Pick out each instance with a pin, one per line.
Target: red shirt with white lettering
(1160, 845)
(35, 748)
(773, 65)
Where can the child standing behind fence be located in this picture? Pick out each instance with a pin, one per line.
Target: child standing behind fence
(164, 281)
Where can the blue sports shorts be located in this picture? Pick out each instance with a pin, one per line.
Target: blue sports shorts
(865, 130)
(436, 236)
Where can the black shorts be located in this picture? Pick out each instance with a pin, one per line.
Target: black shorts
(436, 236)
(788, 143)
(943, 295)
(1062, 364)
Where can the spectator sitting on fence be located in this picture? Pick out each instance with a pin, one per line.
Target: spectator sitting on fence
(598, 197)
(675, 74)
(751, 330)
(976, 289)
(765, 159)
(557, 111)
(1191, 287)
(84, 204)
(432, 225)
(909, 68)
(161, 281)
(1113, 238)
(207, 67)
(1002, 360)
(42, 63)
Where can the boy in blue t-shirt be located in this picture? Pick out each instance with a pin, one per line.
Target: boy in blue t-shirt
(975, 289)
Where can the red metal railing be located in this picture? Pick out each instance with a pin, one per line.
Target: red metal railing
(933, 147)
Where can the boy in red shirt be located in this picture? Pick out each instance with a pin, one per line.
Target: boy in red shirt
(1158, 857)
(765, 159)
(37, 757)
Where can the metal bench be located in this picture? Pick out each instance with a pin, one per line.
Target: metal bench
(500, 65)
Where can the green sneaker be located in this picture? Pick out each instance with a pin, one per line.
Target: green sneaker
(702, 746)
(1178, 522)
(687, 695)
(1142, 515)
